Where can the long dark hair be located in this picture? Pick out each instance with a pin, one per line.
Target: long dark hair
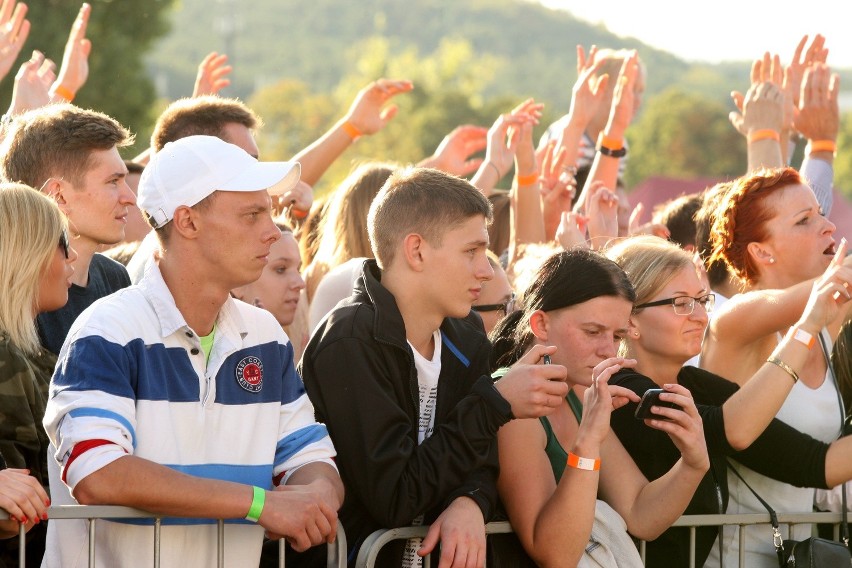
(564, 279)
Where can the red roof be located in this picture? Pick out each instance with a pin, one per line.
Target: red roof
(658, 189)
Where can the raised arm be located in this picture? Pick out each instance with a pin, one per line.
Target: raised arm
(367, 115)
(611, 142)
(749, 411)
(526, 222)
(32, 83)
(75, 60)
(453, 154)
(212, 75)
(14, 29)
(818, 120)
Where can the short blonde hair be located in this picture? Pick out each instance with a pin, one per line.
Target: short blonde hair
(31, 226)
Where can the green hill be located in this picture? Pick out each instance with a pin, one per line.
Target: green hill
(318, 41)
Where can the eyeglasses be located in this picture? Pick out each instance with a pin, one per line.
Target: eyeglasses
(63, 242)
(506, 307)
(684, 305)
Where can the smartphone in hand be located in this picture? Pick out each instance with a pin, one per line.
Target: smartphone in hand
(649, 399)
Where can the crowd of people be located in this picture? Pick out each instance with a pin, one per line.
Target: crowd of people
(479, 336)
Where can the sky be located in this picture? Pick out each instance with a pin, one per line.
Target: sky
(723, 30)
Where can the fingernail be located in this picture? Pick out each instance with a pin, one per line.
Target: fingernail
(44, 516)
(23, 519)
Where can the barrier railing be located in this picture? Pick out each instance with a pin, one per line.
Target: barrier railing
(336, 552)
(373, 544)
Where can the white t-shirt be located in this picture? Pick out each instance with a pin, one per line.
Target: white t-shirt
(428, 372)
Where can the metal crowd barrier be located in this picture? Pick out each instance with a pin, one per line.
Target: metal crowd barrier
(373, 544)
(336, 551)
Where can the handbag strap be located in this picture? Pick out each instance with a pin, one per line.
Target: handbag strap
(844, 525)
(773, 517)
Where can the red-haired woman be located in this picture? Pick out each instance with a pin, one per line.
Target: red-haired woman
(770, 231)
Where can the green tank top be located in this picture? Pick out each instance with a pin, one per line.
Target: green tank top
(555, 452)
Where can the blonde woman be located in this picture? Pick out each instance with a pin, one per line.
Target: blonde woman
(343, 228)
(35, 272)
(666, 328)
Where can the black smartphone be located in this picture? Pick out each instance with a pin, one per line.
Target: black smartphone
(545, 359)
(649, 399)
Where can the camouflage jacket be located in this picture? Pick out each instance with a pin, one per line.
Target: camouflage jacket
(24, 382)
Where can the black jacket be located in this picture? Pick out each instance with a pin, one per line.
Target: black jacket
(359, 372)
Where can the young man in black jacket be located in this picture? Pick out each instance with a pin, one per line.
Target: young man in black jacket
(399, 374)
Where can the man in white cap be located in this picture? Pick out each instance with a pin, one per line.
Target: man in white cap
(171, 396)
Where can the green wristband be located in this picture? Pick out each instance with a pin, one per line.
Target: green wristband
(257, 502)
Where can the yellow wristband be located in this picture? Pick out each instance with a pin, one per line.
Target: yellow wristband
(351, 130)
(764, 134)
(589, 464)
(823, 146)
(64, 92)
(527, 180)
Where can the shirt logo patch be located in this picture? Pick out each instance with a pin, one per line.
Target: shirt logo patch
(250, 374)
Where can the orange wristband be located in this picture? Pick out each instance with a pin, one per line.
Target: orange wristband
(527, 180)
(823, 146)
(350, 129)
(613, 144)
(64, 92)
(803, 337)
(588, 464)
(764, 134)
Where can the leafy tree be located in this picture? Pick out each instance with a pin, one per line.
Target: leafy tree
(448, 86)
(121, 33)
(684, 135)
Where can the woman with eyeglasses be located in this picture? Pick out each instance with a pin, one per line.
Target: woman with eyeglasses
(35, 272)
(666, 329)
(770, 231)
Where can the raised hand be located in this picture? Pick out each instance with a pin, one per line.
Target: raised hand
(762, 108)
(622, 109)
(818, 116)
(571, 232)
(589, 92)
(816, 53)
(32, 84)
(602, 212)
(14, 30)
(212, 75)
(453, 154)
(829, 294)
(525, 155)
(368, 113)
(75, 61)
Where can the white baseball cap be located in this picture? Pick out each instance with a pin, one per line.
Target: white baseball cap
(186, 171)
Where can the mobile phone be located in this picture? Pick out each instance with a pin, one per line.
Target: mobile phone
(546, 359)
(649, 399)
